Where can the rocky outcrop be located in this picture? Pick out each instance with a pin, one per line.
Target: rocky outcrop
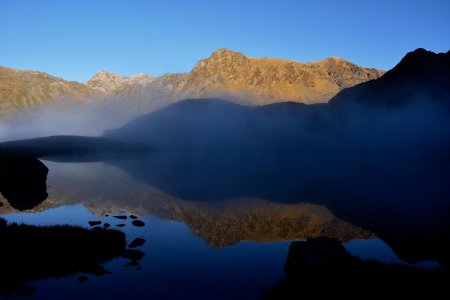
(23, 181)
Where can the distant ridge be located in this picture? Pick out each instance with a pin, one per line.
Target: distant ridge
(226, 73)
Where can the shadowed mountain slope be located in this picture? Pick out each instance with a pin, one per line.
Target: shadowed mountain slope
(420, 75)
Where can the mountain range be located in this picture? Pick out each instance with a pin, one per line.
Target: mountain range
(227, 74)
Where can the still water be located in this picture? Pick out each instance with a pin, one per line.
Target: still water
(232, 249)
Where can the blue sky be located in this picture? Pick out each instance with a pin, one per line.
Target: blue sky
(75, 39)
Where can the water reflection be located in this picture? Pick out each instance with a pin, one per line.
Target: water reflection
(249, 205)
(173, 257)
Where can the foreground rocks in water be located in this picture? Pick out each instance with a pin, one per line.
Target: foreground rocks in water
(23, 181)
(133, 263)
(322, 267)
(82, 279)
(132, 254)
(138, 223)
(36, 252)
(137, 242)
(94, 223)
(96, 270)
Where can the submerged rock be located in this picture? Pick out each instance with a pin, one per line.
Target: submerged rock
(133, 263)
(97, 270)
(137, 242)
(132, 254)
(138, 223)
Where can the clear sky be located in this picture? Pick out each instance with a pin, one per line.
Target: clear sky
(75, 39)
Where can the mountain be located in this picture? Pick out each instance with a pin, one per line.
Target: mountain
(257, 81)
(21, 89)
(112, 83)
(251, 81)
(420, 75)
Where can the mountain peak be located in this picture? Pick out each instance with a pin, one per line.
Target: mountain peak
(416, 55)
(334, 58)
(226, 52)
(105, 74)
(105, 81)
(424, 62)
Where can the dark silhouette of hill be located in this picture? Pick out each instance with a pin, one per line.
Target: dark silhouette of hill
(80, 148)
(420, 75)
(322, 267)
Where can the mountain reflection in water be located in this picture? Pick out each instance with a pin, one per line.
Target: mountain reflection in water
(197, 252)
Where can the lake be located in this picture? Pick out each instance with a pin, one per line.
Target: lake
(220, 249)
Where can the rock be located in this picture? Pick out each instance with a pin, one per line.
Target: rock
(2, 223)
(23, 290)
(22, 179)
(321, 250)
(137, 242)
(120, 225)
(106, 225)
(94, 223)
(133, 217)
(321, 268)
(132, 254)
(133, 263)
(138, 223)
(96, 270)
(121, 217)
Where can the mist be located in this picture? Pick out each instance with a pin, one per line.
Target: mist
(385, 168)
(90, 117)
